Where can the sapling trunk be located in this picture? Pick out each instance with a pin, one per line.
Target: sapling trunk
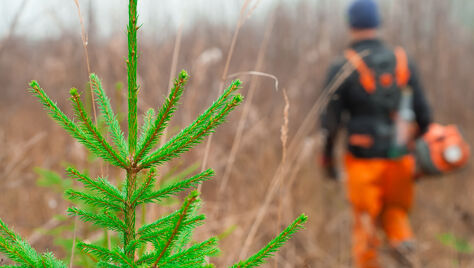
(132, 77)
(130, 212)
(168, 239)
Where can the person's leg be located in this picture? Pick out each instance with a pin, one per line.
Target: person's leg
(363, 188)
(398, 200)
(365, 241)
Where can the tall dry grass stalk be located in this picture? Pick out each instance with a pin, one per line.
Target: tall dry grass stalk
(284, 141)
(85, 42)
(74, 238)
(294, 151)
(245, 14)
(248, 104)
(252, 9)
(174, 64)
(256, 73)
(284, 127)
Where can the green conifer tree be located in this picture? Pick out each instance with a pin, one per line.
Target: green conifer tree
(171, 235)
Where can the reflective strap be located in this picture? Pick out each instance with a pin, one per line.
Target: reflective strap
(361, 140)
(402, 71)
(367, 79)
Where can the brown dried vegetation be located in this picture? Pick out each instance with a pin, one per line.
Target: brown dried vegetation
(300, 48)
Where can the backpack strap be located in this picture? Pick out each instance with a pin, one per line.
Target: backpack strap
(367, 79)
(402, 71)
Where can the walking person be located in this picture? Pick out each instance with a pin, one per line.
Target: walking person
(386, 110)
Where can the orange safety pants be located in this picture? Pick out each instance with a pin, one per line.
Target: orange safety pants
(381, 192)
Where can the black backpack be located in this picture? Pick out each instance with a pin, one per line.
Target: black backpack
(384, 75)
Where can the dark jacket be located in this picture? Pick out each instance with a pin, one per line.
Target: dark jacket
(352, 99)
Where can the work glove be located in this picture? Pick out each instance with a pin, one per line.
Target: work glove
(329, 167)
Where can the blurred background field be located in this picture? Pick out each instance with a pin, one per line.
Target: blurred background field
(295, 42)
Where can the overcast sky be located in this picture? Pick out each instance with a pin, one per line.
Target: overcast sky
(50, 17)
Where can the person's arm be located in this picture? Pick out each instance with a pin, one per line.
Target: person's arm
(420, 104)
(331, 120)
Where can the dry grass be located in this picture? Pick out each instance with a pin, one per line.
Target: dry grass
(298, 53)
(246, 108)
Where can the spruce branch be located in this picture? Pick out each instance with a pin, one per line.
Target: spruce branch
(216, 106)
(146, 258)
(99, 185)
(164, 115)
(158, 237)
(48, 260)
(134, 245)
(14, 252)
(102, 264)
(185, 236)
(21, 252)
(274, 245)
(106, 255)
(6, 233)
(199, 122)
(193, 255)
(160, 223)
(88, 127)
(192, 135)
(104, 219)
(148, 121)
(91, 200)
(157, 231)
(55, 113)
(177, 187)
(185, 211)
(145, 188)
(110, 117)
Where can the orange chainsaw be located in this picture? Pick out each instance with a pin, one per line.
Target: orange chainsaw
(441, 149)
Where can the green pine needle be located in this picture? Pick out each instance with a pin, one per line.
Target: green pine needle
(148, 121)
(274, 245)
(110, 117)
(106, 255)
(162, 223)
(204, 125)
(99, 185)
(103, 264)
(53, 110)
(105, 219)
(145, 188)
(6, 233)
(161, 121)
(105, 150)
(195, 254)
(12, 246)
(177, 187)
(91, 200)
(186, 210)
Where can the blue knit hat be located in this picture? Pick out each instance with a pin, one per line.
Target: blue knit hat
(364, 14)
